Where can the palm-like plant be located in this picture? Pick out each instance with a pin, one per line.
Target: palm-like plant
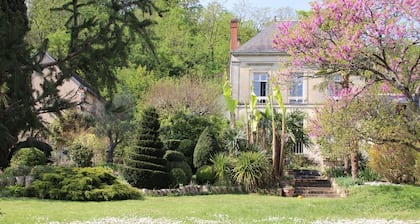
(222, 166)
(234, 140)
(252, 170)
(294, 128)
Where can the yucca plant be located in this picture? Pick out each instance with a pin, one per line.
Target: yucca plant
(222, 166)
(252, 170)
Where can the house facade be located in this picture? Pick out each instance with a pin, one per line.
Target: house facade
(256, 66)
(73, 89)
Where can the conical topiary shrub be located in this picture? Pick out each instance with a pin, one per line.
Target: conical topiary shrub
(144, 165)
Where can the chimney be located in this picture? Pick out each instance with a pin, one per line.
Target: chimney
(234, 43)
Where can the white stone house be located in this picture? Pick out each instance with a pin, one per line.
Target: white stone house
(74, 89)
(255, 65)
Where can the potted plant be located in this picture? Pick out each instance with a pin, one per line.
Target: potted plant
(288, 190)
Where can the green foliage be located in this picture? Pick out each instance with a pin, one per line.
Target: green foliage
(95, 144)
(178, 176)
(186, 125)
(393, 162)
(348, 181)
(116, 122)
(172, 144)
(78, 184)
(187, 94)
(81, 184)
(14, 191)
(70, 126)
(174, 156)
(417, 169)
(252, 170)
(205, 175)
(81, 155)
(37, 171)
(335, 171)
(234, 140)
(297, 161)
(186, 147)
(205, 148)
(17, 170)
(222, 166)
(28, 157)
(367, 174)
(176, 160)
(16, 98)
(144, 165)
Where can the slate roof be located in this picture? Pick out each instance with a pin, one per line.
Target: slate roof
(78, 79)
(262, 43)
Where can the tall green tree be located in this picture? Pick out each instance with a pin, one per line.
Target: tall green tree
(116, 122)
(144, 165)
(16, 101)
(98, 36)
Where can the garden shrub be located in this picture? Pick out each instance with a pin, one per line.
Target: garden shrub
(335, 171)
(205, 175)
(28, 157)
(17, 170)
(144, 165)
(81, 155)
(223, 166)
(172, 156)
(176, 160)
(205, 148)
(81, 184)
(149, 179)
(186, 147)
(251, 170)
(348, 181)
(172, 144)
(298, 161)
(395, 163)
(178, 176)
(367, 174)
(37, 171)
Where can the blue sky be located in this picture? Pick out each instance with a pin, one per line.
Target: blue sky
(274, 4)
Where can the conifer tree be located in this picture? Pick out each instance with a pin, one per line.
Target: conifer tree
(205, 148)
(144, 165)
(16, 99)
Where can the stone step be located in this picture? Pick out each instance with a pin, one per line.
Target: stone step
(318, 183)
(317, 195)
(315, 192)
(304, 173)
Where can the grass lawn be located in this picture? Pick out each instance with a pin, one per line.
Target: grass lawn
(365, 202)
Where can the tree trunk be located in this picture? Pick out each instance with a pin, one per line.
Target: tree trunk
(276, 155)
(354, 164)
(232, 120)
(110, 152)
(346, 165)
(282, 147)
(263, 139)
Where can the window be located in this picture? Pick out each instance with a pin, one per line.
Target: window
(296, 89)
(334, 87)
(299, 148)
(260, 86)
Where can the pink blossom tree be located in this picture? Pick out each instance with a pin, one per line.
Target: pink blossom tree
(375, 39)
